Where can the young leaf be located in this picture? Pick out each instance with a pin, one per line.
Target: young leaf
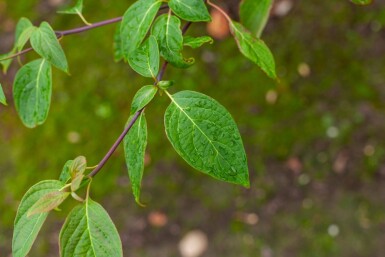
(89, 231)
(190, 10)
(145, 59)
(165, 84)
(362, 2)
(144, 95)
(118, 51)
(32, 90)
(254, 49)
(167, 31)
(205, 135)
(136, 23)
(254, 15)
(78, 166)
(48, 202)
(195, 42)
(45, 43)
(76, 182)
(134, 150)
(26, 229)
(65, 174)
(3, 100)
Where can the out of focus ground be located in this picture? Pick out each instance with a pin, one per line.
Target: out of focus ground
(315, 143)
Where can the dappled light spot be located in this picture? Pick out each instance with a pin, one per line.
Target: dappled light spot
(193, 244)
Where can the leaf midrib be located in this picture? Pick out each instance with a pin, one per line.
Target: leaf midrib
(38, 86)
(192, 121)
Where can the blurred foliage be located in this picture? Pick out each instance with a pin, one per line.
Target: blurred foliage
(315, 142)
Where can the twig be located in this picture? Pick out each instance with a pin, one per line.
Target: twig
(133, 120)
(60, 34)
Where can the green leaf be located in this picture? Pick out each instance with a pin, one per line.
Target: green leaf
(136, 23)
(190, 10)
(254, 49)
(89, 231)
(32, 90)
(3, 100)
(205, 135)
(254, 15)
(144, 95)
(195, 42)
(165, 84)
(46, 44)
(134, 150)
(48, 202)
(118, 50)
(22, 25)
(26, 229)
(24, 37)
(76, 9)
(362, 2)
(145, 59)
(65, 174)
(167, 31)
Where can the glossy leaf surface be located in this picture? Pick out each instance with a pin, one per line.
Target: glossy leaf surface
(254, 14)
(167, 31)
(254, 49)
(45, 43)
(89, 231)
(135, 143)
(32, 90)
(190, 10)
(145, 59)
(136, 23)
(205, 135)
(144, 95)
(26, 229)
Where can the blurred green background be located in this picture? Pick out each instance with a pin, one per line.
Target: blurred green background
(315, 142)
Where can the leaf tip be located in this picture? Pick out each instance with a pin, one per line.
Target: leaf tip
(138, 202)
